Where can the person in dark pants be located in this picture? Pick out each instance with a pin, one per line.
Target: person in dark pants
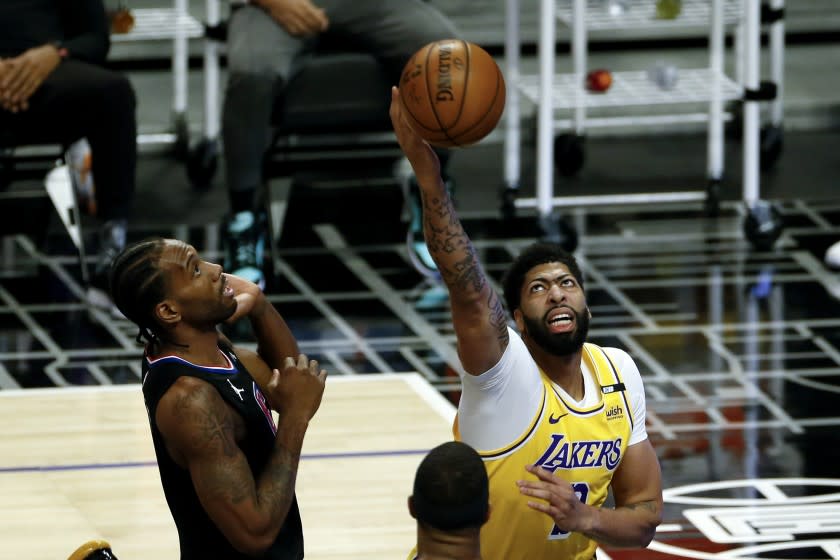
(266, 40)
(54, 88)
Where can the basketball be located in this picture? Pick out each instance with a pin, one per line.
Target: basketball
(452, 92)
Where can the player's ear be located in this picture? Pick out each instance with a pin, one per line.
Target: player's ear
(517, 318)
(167, 313)
(411, 507)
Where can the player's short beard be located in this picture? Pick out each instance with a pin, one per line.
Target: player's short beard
(561, 344)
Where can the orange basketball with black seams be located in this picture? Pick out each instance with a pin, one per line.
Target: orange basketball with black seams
(453, 93)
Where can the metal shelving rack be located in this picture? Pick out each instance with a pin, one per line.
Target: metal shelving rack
(177, 25)
(551, 92)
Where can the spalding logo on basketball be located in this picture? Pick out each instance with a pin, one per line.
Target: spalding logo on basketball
(453, 93)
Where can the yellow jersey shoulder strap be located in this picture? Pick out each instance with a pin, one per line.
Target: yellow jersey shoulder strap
(607, 375)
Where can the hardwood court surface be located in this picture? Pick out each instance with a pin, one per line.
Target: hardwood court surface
(78, 464)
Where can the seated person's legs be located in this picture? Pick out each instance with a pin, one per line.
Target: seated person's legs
(394, 31)
(81, 100)
(260, 55)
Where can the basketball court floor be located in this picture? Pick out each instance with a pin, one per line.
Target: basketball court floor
(739, 351)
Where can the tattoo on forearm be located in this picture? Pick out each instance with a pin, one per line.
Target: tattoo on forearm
(498, 318)
(464, 273)
(277, 483)
(651, 506)
(230, 478)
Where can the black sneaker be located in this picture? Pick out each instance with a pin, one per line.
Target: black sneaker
(112, 236)
(244, 241)
(93, 550)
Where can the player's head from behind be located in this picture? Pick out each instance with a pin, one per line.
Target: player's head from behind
(450, 489)
(163, 286)
(543, 290)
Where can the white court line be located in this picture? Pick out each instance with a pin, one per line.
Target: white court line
(431, 396)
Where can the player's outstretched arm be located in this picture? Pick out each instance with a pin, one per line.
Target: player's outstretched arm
(202, 432)
(477, 312)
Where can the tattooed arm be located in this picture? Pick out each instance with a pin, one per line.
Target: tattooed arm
(201, 433)
(477, 312)
(637, 489)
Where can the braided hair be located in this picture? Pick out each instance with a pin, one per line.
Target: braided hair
(137, 284)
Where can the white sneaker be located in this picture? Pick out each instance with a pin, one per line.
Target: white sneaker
(832, 256)
(80, 162)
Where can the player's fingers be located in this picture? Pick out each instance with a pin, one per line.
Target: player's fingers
(535, 492)
(540, 473)
(18, 79)
(302, 361)
(540, 506)
(313, 18)
(288, 362)
(313, 367)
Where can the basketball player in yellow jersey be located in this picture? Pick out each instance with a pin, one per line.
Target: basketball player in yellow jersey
(558, 422)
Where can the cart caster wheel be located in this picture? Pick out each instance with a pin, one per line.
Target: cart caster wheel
(201, 164)
(734, 128)
(771, 146)
(711, 206)
(508, 205)
(555, 229)
(568, 154)
(763, 225)
(182, 138)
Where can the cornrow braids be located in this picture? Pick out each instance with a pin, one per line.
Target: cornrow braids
(137, 284)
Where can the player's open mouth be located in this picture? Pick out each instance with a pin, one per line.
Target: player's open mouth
(561, 320)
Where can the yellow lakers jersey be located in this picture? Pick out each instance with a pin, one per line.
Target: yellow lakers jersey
(581, 446)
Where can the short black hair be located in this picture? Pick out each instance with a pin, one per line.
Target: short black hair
(536, 254)
(137, 284)
(451, 489)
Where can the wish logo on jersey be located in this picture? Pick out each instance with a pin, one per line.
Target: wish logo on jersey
(615, 412)
(565, 454)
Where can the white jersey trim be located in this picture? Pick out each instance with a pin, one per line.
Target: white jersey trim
(497, 406)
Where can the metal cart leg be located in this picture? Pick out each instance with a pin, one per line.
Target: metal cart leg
(545, 110)
(179, 81)
(762, 224)
(751, 108)
(512, 110)
(771, 133)
(204, 157)
(715, 155)
(211, 76)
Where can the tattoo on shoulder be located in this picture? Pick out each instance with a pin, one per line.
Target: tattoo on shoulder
(213, 425)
